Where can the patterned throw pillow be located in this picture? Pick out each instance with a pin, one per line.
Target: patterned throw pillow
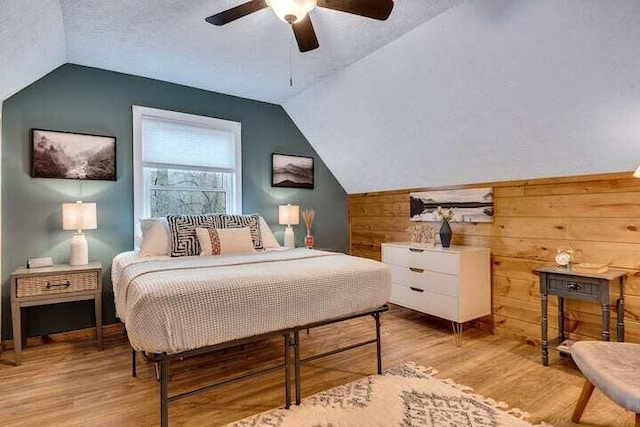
(184, 241)
(241, 221)
(209, 241)
(225, 241)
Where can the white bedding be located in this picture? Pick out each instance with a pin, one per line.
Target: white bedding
(170, 305)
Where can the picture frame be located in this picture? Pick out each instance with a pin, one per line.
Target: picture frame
(71, 155)
(292, 171)
(474, 205)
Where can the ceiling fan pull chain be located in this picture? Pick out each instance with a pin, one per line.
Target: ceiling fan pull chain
(290, 62)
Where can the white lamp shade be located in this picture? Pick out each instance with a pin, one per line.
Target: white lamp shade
(289, 215)
(79, 216)
(637, 172)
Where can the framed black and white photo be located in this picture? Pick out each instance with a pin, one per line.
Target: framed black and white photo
(468, 205)
(66, 155)
(291, 171)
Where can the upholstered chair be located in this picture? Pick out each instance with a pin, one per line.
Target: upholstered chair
(612, 367)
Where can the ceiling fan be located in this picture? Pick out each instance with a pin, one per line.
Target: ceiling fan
(296, 14)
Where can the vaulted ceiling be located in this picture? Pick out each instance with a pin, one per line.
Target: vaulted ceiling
(169, 40)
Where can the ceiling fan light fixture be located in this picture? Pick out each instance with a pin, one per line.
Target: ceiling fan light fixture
(291, 11)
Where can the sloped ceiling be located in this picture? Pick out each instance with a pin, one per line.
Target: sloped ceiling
(491, 90)
(31, 42)
(169, 40)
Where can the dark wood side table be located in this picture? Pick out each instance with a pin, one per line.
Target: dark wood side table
(594, 287)
(52, 285)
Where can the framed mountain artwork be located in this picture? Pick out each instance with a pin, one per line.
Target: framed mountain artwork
(67, 155)
(291, 171)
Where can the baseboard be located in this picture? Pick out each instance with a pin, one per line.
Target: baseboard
(70, 336)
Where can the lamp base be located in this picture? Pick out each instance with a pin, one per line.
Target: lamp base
(79, 254)
(289, 238)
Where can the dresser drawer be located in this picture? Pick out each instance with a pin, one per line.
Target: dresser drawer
(441, 262)
(56, 284)
(439, 283)
(426, 302)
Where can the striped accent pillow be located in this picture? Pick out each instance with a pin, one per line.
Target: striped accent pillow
(242, 221)
(209, 241)
(184, 241)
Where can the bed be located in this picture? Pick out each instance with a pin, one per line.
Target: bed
(178, 307)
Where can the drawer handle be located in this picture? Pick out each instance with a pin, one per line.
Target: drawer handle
(416, 289)
(573, 286)
(416, 250)
(416, 270)
(58, 285)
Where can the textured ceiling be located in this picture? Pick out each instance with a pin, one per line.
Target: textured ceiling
(169, 40)
(492, 90)
(31, 42)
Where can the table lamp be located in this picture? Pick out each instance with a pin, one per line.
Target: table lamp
(637, 172)
(289, 215)
(79, 216)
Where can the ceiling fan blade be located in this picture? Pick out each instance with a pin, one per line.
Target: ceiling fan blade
(237, 12)
(305, 35)
(376, 9)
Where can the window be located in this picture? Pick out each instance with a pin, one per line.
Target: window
(185, 164)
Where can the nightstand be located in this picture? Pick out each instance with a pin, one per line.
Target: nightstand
(52, 285)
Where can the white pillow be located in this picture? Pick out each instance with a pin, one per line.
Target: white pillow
(225, 241)
(268, 239)
(156, 238)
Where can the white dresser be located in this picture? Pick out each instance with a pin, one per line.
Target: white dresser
(452, 283)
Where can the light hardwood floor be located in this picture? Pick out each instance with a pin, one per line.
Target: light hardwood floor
(71, 384)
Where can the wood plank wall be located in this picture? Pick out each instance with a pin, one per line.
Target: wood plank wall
(597, 215)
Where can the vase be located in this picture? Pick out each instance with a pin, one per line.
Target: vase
(309, 241)
(445, 234)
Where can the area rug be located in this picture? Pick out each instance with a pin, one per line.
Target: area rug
(408, 396)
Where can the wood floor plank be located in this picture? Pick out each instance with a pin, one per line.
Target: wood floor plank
(71, 384)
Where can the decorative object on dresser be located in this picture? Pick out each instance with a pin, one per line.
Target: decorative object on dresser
(453, 284)
(309, 215)
(445, 230)
(53, 285)
(291, 171)
(567, 283)
(79, 216)
(289, 215)
(422, 233)
(468, 205)
(67, 155)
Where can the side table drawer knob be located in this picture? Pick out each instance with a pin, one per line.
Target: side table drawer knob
(573, 286)
(58, 285)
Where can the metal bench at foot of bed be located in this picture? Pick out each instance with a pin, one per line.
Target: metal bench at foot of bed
(291, 338)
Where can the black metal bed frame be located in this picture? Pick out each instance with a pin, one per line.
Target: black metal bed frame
(291, 340)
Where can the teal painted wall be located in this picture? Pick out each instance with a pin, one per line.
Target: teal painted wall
(87, 100)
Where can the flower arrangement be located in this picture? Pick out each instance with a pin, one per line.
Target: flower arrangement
(308, 215)
(444, 215)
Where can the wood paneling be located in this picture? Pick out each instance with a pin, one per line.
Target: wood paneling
(597, 215)
(72, 384)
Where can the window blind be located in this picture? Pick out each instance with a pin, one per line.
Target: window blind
(168, 143)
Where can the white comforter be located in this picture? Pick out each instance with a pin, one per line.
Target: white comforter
(170, 305)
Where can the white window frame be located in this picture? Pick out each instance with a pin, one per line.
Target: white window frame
(210, 122)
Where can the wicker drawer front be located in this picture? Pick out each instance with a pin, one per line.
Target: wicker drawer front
(57, 284)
